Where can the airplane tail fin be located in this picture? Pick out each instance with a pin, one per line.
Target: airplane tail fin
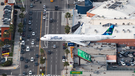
(109, 31)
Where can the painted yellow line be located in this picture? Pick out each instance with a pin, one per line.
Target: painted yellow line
(40, 42)
(46, 63)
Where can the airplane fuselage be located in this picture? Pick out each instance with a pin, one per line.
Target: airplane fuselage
(74, 37)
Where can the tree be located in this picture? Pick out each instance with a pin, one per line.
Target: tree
(67, 51)
(21, 16)
(11, 28)
(6, 34)
(66, 64)
(67, 29)
(1, 43)
(20, 30)
(8, 63)
(42, 61)
(22, 9)
(20, 25)
(4, 74)
(41, 50)
(67, 15)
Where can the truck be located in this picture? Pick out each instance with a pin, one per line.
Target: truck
(71, 44)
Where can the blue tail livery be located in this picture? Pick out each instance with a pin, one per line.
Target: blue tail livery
(109, 31)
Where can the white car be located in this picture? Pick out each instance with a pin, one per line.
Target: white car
(33, 33)
(44, 6)
(32, 42)
(54, 46)
(23, 42)
(30, 72)
(123, 63)
(44, 17)
(32, 59)
(27, 48)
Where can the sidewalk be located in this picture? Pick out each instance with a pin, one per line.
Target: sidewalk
(16, 53)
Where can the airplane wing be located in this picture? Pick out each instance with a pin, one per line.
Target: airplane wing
(78, 42)
(78, 31)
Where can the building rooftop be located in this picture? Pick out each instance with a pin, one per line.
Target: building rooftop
(114, 9)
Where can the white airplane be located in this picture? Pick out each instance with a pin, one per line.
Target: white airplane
(77, 38)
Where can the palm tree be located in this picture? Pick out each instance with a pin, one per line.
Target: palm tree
(4, 74)
(41, 50)
(67, 15)
(67, 29)
(20, 25)
(11, 28)
(20, 30)
(21, 16)
(6, 34)
(1, 43)
(67, 51)
(22, 9)
(66, 64)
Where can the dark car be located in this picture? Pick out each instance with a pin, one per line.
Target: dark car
(23, 38)
(30, 12)
(31, 5)
(30, 17)
(24, 73)
(17, 7)
(29, 29)
(2, 60)
(23, 46)
(49, 52)
(37, 39)
(24, 29)
(36, 63)
(128, 64)
(44, 13)
(132, 59)
(51, 20)
(63, 57)
(28, 36)
(37, 55)
(22, 52)
(26, 60)
(64, 47)
(24, 21)
(56, 7)
(25, 66)
(21, 58)
(126, 54)
(23, 34)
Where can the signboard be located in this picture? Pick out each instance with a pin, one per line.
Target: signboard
(75, 72)
(84, 55)
(71, 49)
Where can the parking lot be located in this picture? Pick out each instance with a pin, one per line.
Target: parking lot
(125, 59)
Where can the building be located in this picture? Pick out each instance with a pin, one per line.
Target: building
(118, 12)
(6, 19)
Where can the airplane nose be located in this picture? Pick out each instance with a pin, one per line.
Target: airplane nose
(41, 38)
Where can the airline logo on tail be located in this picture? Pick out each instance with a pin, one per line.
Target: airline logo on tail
(109, 31)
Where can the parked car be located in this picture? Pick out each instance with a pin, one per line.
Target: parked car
(32, 59)
(123, 63)
(27, 48)
(22, 52)
(36, 63)
(21, 58)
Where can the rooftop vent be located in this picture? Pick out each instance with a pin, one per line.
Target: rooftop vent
(96, 31)
(124, 30)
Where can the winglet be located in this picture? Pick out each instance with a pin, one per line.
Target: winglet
(109, 31)
(81, 24)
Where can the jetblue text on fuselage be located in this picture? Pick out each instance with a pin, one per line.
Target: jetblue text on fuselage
(56, 37)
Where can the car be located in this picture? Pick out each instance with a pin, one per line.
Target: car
(133, 53)
(33, 33)
(32, 59)
(123, 63)
(44, 6)
(23, 46)
(28, 36)
(26, 60)
(30, 72)
(49, 52)
(30, 17)
(23, 42)
(22, 52)
(31, 0)
(64, 59)
(130, 55)
(45, 9)
(23, 34)
(54, 46)
(37, 55)
(132, 63)
(27, 48)
(56, 7)
(44, 13)
(36, 63)
(122, 52)
(30, 12)
(132, 59)
(32, 42)
(128, 64)
(31, 5)
(24, 73)
(44, 17)
(64, 47)
(37, 39)
(29, 22)
(120, 55)
(29, 29)
(51, 20)
(24, 29)
(21, 58)
(25, 66)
